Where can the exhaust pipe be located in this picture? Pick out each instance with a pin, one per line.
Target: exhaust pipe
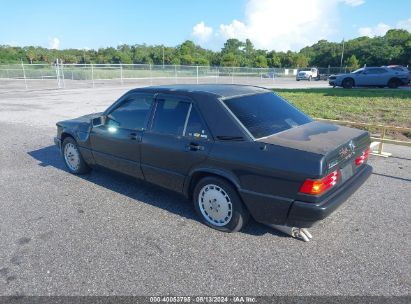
(295, 232)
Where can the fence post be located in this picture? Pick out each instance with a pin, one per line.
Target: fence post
(62, 73)
(151, 76)
(24, 73)
(92, 73)
(121, 72)
(381, 147)
(175, 73)
(197, 72)
(57, 66)
(232, 75)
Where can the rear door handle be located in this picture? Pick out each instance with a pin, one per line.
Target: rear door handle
(194, 147)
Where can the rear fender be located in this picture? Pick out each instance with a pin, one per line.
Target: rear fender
(196, 174)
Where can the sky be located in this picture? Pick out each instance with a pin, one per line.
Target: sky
(270, 24)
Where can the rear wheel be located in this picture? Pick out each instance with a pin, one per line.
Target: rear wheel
(347, 83)
(72, 157)
(219, 205)
(393, 83)
(309, 78)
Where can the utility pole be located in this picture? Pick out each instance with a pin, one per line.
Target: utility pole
(342, 54)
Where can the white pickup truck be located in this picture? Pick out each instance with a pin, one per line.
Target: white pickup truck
(307, 74)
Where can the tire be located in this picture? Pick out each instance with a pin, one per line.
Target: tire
(393, 83)
(298, 79)
(72, 157)
(212, 195)
(381, 87)
(347, 83)
(309, 78)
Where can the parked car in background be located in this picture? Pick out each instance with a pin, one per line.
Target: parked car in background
(307, 74)
(370, 76)
(234, 150)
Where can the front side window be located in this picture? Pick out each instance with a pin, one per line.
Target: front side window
(359, 71)
(170, 117)
(132, 114)
(266, 114)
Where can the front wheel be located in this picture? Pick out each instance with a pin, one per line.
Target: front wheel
(219, 206)
(347, 83)
(72, 157)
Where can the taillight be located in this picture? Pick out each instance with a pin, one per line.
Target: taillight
(364, 156)
(319, 186)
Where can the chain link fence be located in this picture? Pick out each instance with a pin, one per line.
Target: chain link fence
(90, 75)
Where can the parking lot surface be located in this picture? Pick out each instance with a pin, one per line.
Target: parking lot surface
(107, 234)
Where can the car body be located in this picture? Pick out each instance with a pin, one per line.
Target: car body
(307, 74)
(250, 147)
(370, 76)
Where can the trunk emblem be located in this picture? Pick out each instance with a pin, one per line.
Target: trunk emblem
(348, 151)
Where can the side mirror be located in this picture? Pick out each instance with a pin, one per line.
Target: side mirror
(99, 121)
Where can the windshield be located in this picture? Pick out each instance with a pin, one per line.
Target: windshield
(305, 70)
(266, 114)
(358, 71)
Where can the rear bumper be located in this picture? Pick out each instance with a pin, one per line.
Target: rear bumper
(404, 81)
(274, 210)
(305, 215)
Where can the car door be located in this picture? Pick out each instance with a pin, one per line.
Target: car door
(116, 144)
(177, 140)
(383, 76)
(360, 77)
(371, 77)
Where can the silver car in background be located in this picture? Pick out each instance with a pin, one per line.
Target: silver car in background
(370, 76)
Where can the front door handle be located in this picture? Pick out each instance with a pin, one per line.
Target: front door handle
(194, 147)
(133, 136)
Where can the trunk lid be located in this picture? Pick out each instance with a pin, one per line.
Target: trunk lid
(338, 144)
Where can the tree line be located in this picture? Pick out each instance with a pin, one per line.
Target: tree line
(392, 48)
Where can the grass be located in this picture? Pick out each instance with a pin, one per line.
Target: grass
(376, 106)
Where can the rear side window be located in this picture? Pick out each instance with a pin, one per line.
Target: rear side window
(132, 114)
(170, 117)
(195, 126)
(266, 114)
(376, 71)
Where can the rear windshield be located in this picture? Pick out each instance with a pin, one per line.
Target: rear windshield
(266, 114)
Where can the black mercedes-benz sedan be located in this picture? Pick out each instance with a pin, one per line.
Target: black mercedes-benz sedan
(234, 150)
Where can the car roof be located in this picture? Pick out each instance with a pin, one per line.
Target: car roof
(219, 90)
